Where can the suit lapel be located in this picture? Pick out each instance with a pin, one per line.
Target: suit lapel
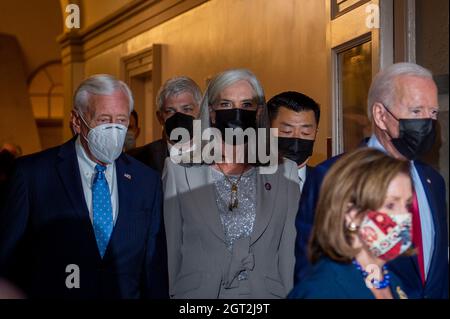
(203, 194)
(426, 183)
(308, 171)
(266, 193)
(69, 172)
(161, 154)
(124, 188)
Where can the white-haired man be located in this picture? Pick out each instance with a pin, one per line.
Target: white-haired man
(403, 107)
(82, 220)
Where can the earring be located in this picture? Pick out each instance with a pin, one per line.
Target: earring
(352, 227)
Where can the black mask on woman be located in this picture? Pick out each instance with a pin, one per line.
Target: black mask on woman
(416, 136)
(295, 149)
(234, 118)
(179, 120)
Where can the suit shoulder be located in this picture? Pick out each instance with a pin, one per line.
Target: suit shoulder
(42, 158)
(158, 144)
(317, 173)
(147, 148)
(288, 165)
(319, 283)
(169, 165)
(429, 170)
(139, 151)
(141, 168)
(325, 165)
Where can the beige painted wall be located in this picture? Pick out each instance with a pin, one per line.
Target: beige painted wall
(17, 123)
(36, 24)
(95, 10)
(282, 42)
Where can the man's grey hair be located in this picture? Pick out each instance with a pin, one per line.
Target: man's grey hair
(222, 81)
(99, 84)
(382, 89)
(175, 86)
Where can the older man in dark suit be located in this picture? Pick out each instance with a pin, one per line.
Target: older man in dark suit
(82, 220)
(403, 107)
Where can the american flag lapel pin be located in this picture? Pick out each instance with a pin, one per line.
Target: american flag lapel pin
(128, 176)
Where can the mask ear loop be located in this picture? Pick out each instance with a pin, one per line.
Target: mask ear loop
(392, 114)
(85, 123)
(395, 118)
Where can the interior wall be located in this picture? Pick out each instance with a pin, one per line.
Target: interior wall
(17, 124)
(432, 47)
(282, 42)
(36, 24)
(95, 10)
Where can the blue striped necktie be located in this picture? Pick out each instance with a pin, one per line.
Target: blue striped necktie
(101, 209)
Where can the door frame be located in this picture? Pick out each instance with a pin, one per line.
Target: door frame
(348, 30)
(141, 64)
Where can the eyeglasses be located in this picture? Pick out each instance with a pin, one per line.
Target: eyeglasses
(417, 112)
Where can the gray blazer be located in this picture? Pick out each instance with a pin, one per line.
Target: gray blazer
(199, 262)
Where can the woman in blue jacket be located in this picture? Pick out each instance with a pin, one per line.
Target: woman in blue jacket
(363, 220)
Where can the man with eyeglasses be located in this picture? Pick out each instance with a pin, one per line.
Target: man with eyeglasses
(403, 108)
(177, 103)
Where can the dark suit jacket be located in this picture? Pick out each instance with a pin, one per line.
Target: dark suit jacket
(45, 226)
(328, 279)
(153, 154)
(309, 170)
(406, 268)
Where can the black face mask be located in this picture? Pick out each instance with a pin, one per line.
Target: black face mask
(234, 118)
(416, 136)
(179, 120)
(295, 149)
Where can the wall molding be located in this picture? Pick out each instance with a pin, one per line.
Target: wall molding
(143, 61)
(131, 20)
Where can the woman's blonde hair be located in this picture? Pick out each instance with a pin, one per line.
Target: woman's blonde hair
(358, 180)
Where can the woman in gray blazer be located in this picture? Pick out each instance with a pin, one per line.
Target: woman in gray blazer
(230, 225)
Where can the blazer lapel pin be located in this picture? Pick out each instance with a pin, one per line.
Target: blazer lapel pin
(268, 186)
(128, 176)
(428, 181)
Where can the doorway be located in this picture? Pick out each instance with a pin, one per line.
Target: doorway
(142, 72)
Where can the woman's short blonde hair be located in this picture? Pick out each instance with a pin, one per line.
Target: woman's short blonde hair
(358, 180)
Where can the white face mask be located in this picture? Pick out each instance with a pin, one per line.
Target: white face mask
(105, 141)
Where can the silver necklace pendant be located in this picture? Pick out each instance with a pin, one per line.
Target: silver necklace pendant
(234, 201)
(233, 204)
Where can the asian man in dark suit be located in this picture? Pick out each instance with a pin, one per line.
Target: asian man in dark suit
(403, 107)
(83, 220)
(178, 103)
(296, 116)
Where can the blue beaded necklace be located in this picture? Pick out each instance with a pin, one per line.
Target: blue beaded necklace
(376, 283)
